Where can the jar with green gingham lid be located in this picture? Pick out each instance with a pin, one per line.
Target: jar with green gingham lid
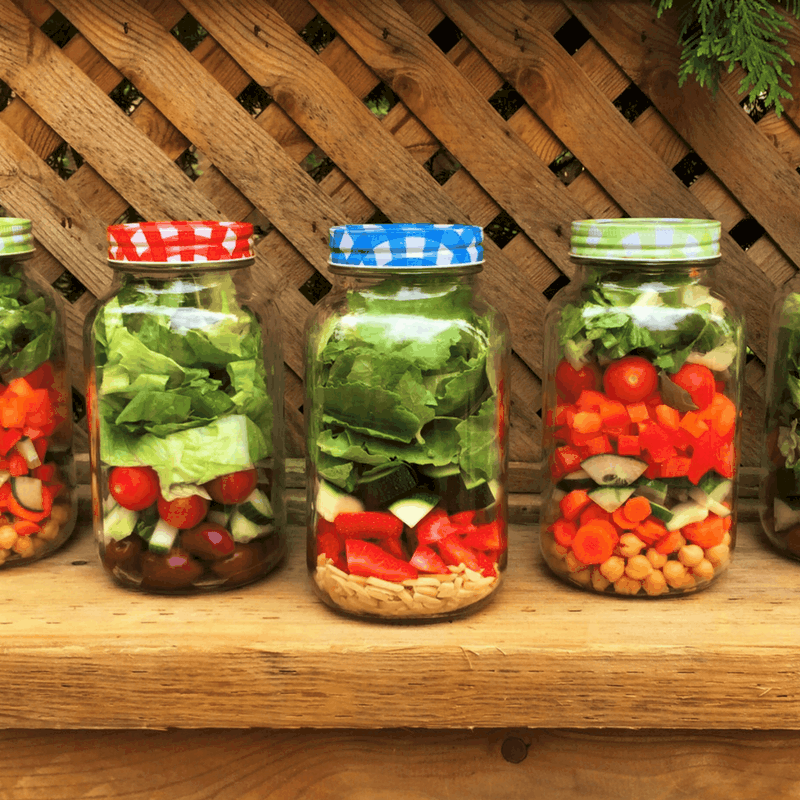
(37, 505)
(406, 426)
(641, 411)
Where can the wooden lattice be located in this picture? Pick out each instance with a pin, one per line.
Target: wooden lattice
(298, 114)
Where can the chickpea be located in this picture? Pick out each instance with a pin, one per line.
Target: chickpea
(689, 581)
(49, 530)
(582, 577)
(4, 554)
(613, 569)
(674, 573)
(656, 559)
(24, 546)
(39, 544)
(599, 581)
(717, 555)
(7, 537)
(61, 513)
(573, 565)
(626, 585)
(561, 550)
(655, 583)
(638, 567)
(726, 539)
(704, 571)
(690, 555)
(630, 545)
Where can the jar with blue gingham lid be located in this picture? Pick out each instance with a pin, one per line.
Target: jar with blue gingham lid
(641, 409)
(406, 426)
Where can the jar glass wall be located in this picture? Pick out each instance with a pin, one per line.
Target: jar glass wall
(643, 371)
(37, 505)
(185, 411)
(406, 419)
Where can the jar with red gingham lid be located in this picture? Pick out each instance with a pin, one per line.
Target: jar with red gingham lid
(185, 411)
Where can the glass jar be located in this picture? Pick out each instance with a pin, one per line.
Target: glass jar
(37, 506)
(185, 411)
(643, 370)
(406, 421)
(780, 486)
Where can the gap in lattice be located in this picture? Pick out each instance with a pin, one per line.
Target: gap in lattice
(189, 162)
(126, 96)
(566, 167)
(442, 165)
(7, 94)
(506, 101)
(378, 218)
(254, 98)
(317, 164)
(58, 29)
(318, 34)
(632, 103)
(189, 32)
(539, 412)
(757, 109)
(746, 232)
(381, 100)
(64, 161)
(300, 407)
(446, 35)
(261, 225)
(572, 35)
(749, 355)
(130, 214)
(78, 406)
(502, 229)
(559, 283)
(690, 168)
(315, 288)
(69, 287)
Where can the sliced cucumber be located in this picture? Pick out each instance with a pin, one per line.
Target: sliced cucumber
(579, 479)
(715, 487)
(413, 508)
(785, 515)
(146, 524)
(378, 488)
(163, 538)
(685, 514)
(610, 498)
(699, 496)
(118, 522)
(332, 501)
(257, 508)
(244, 530)
(28, 493)
(654, 491)
(439, 472)
(611, 470)
(219, 514)
(661, 512)
(27, 450)
(5, 475)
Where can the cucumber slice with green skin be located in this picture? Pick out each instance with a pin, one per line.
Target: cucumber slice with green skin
(163, 538)
(610, 498)
(146, 524)
(332, 501)
(439, 472)
(661, 512)
(715, 487)
(699, 496)
(27, 450)
(118, 522)
(654, 491)
(611, 470)
(28, 493)
(219, 514)
(379, 489)
(685, 514)
(413, 508)
(244, 530)
(257, 508)
(576, 480)
(785, 515)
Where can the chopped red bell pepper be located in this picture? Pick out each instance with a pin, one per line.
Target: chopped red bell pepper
(367, 559)
(454, 552)
(657, 441)
(615, 418)
(693, 424)
(12, 410)
(567, 459)
(591, 400)
(668, 417)
(42, 377)
(599, 445)
(638, 412)
(676, 467)
(367, 525)
(21, 388)
(425, 559)
(40, 445)
(394, 546)
(23, 513)
(8, 438)
(46, 472)
(40, 409)
(628, 445)
(485, 537)
(587, 422)
(463, 518)
(17, 465)
(329, 544)
(433, 527)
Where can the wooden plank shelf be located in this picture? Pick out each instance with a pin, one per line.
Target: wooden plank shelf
(83, 653)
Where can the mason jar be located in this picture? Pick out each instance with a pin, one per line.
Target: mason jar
(185, 411)
(406, 420)
(780, 486)
(642, 385)
(37, 505)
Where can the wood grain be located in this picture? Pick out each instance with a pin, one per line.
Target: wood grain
(385, 765)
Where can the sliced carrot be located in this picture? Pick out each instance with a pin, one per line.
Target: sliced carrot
(594, 511)
(637, 509)
(26, 527)
(564, 531)
(708, 533)
(669, 543)
(594, 543)
(621, 521)
(650, 530)
(573, 503)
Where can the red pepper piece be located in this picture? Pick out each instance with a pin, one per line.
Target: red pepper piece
(587, 422)
(17, 465)
(24, 527)
(330, 544)
(628, 445)
(366, 559)
(425, 559)
(638, 412)
(40, 445)
(12, 411)
(567, 459)
(676, 467)
(5, 493)
(657, 441)
(42, 377)
(463, 518)
(590, 400)
(45, 473)
(433, 527)
(8, 438)
(599, 445)
(615, 418)
(23, 513)
(455, 552)
(367, 525)
(21, 388)
(40, 409)
(394, 545)
(485, 537)
(668, 417)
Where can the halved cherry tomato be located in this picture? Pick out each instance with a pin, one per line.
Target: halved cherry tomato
(698, 381)
(233, 487)
(134, 488)
(630, 379)
(570, 382)
(183, 512)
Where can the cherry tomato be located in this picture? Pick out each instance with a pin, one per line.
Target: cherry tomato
(183, 512)
(233, 487)
(134, 488)
(570, 382)
(698, 381)
(630, 379)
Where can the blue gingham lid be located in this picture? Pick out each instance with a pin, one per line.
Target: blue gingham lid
(404, 245)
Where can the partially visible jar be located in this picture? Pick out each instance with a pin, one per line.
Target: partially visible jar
(185, 411)
(642, 387)
(406, 421)
(780, 486)
(37, 506)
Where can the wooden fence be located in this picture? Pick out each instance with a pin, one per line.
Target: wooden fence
(300, 114)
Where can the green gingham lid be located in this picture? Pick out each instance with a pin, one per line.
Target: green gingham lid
(15, 236)
(650, 239)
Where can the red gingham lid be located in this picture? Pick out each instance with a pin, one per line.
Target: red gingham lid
(180, 242)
